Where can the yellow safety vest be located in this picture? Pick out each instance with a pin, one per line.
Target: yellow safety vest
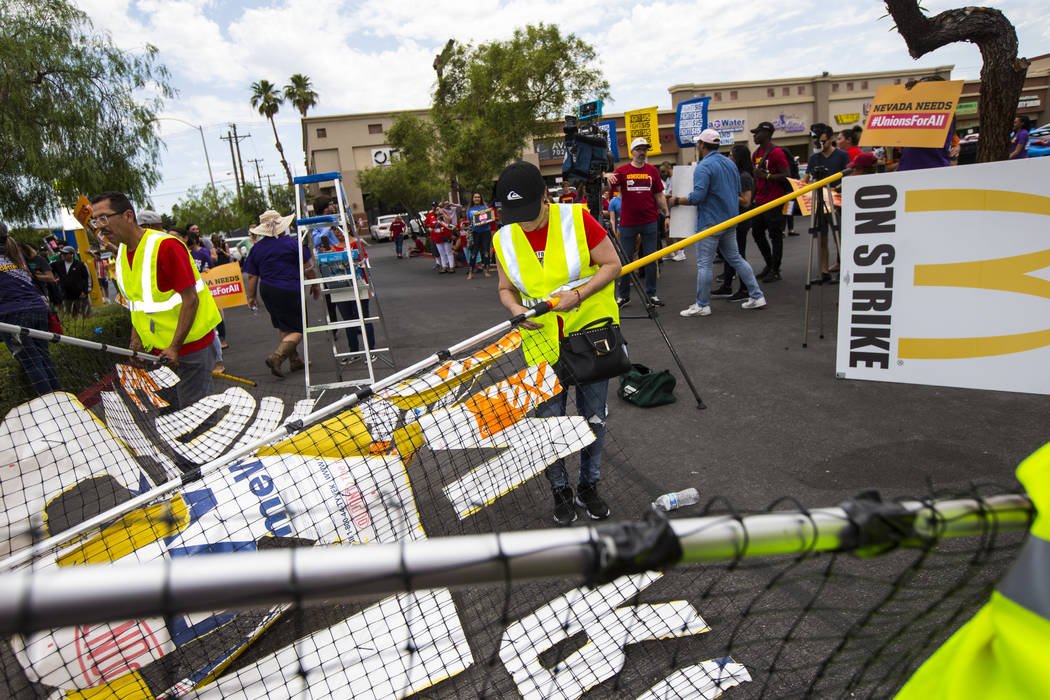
(1003, 652)
(155, 314)
(566, 265)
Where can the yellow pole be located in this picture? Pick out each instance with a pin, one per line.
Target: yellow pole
(641, 262)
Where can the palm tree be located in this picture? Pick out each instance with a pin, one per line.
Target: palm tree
(267, 100)
(300, 93)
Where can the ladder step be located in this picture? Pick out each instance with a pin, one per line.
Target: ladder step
(318, 177)
(337, 325)
(332, 278)
(355, 353)
(316, 221)
(340, 385)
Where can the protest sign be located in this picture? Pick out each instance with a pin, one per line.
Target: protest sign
(608, 127)
(917, 117)
(690, 120)
(642, 122)
(944, 278)
(226, 285)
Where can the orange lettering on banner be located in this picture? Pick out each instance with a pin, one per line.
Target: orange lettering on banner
(503, 405)
(226, 285)
(134, 380)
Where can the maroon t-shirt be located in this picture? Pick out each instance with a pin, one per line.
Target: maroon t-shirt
(777, 164)
(638, 190)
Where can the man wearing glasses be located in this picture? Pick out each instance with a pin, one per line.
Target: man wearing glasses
(172, 312)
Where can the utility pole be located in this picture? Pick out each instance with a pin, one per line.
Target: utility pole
(237, 140)
(233, 159)
(258, 177)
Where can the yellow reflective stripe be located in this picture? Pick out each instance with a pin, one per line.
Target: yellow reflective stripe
(510, 257)
(147, 269)
(568, 240)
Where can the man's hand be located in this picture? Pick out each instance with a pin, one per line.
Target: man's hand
(611, 178)
(760, 173)
(169, 356)
(667, 223)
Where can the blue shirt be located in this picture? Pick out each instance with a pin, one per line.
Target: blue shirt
(716, 190)
(615, 204)
(319, 233)
(276, 262)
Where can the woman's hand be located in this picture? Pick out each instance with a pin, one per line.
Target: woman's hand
(567, 301)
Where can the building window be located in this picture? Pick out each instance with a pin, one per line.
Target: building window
(732, 94)
(864, 85)
(786, 92)
(771, 92)
(802, 89)
(718, 97)
(834, 87)
(321, 133)
(375, 128)
(896, 81)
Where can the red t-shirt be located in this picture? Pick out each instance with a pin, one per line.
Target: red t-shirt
(777, 164)
(638, 190)
(853, 153)
(174, 273)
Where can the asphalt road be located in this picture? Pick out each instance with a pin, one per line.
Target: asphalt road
(777, 421)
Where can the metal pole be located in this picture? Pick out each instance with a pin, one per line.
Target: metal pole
(233, 159)
(237, 141)
(31, 600)
(289, 428)
(79, 342)
(206, 158)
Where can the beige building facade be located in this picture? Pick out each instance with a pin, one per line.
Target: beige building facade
(349, 143)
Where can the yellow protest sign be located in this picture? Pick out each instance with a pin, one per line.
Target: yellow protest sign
(918, 117)
(642, 122)
(226, 285)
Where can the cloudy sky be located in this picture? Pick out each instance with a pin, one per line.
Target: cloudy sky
(372, 56)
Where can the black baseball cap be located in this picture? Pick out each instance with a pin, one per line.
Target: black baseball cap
(520, 188)
(764, 125)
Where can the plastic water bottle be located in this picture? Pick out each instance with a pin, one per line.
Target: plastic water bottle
(676, 500)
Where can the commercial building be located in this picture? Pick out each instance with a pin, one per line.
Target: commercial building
(1032, 102)
(351, 142)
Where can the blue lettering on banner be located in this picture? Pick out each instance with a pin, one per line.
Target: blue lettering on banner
(725, 125)
(690, 120)
(272, 509)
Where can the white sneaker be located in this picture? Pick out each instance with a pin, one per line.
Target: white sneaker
(678, 256)
(695, 310)
(754, 303)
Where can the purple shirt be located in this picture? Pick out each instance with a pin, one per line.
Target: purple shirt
(202, 259)
(17, 292)
(275, 262)
(913, 158)
(1021, 137)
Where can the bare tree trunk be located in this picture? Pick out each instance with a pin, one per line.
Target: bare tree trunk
(1002, 72)
(280, 149)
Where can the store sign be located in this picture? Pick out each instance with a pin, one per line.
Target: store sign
(789, 123)
(725, 125)
(554, 150)
(726, 138)
(966, 108)
(848, 118)
(383, 156)
(1029, 102)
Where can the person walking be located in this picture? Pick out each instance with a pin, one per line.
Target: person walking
(272, 272)
(741, 158)
(771, 173)
(538, 258)
(172, 312)
(75, 281)
(716, 196)
(397, 230)
(22, 304)
(642, 201)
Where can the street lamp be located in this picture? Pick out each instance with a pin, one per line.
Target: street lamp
(200, 129)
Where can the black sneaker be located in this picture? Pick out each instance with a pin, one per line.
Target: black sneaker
(723, 291)
(622, 302)
(739, 295)
(588, 498)
(655, 301)
(771, 276)
(765, 271)
(564, 510)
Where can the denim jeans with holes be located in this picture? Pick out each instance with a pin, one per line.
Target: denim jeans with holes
(590, 402)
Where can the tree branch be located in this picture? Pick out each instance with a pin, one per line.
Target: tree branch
(924, 34)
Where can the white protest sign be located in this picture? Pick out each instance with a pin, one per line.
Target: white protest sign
(946, 277)
(683, 218)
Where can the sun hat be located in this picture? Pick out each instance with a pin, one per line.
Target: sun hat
(271, 223)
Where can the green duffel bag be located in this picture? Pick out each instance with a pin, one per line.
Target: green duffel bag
(644, 387)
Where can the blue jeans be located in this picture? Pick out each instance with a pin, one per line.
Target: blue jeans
(590, 402)
(650, 242)
(399, 242)
(348, 310)
(724, 241)
(32, 354)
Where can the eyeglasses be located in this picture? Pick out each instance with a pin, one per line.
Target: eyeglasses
(103, 219)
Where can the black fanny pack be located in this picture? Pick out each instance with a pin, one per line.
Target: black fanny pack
(594, 353)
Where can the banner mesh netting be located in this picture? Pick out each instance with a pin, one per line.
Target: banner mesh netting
(456, 449)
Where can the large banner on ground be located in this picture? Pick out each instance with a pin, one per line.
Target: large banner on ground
(946, 277)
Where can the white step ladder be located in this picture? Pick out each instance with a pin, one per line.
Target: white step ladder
(353, 284)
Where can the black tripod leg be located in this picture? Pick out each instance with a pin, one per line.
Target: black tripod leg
(594, 197)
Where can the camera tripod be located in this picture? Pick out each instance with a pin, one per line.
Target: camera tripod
(823, 217)
(594, 199)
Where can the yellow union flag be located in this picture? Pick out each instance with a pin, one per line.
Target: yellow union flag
(643, 122)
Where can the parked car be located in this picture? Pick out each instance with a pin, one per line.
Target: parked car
(239, 246)
(1039, 141)
(381, 229)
